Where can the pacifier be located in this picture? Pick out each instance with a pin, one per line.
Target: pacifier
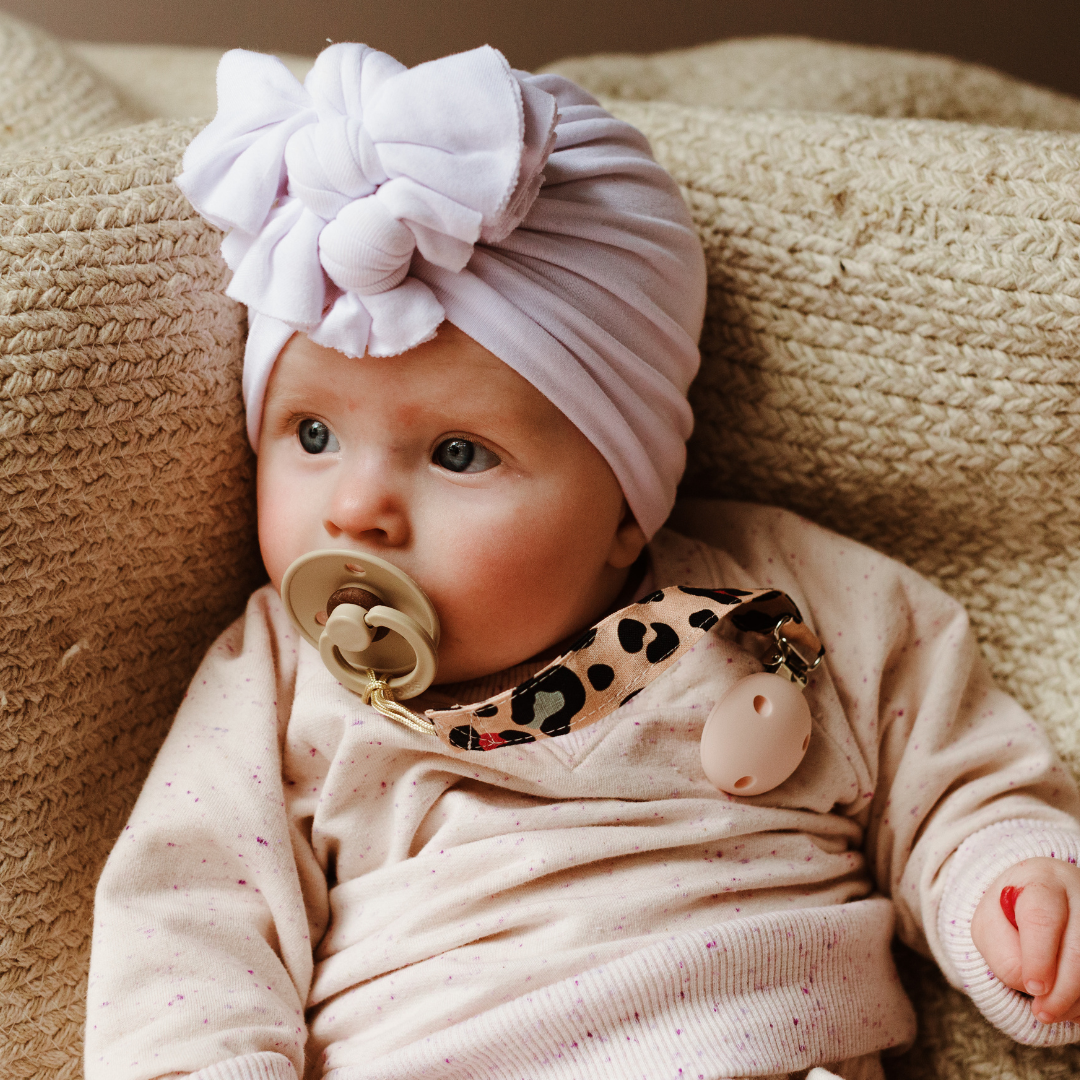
(376, 631)
(758, 732)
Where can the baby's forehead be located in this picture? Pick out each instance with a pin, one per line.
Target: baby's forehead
(449, 376)
(451, 361)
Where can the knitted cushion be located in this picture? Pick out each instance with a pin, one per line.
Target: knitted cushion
(166, 81)
(126, 533)
(47, 95)
(821, 76)
(890, 348)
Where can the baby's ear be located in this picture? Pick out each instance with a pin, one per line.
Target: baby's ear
(627, 542)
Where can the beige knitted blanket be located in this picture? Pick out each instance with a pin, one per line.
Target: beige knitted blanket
(890, 348)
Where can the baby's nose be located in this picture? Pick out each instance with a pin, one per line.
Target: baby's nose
(369, 508)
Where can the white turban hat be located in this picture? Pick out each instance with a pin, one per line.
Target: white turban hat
(374, 201)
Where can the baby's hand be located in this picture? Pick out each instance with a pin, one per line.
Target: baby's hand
(1039, 954)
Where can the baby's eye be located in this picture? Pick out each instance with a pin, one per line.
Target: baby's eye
(462, 455)
(315, 437)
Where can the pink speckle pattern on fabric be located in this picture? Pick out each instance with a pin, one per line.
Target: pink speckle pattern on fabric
(596, 906)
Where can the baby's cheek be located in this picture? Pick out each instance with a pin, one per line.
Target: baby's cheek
(524, 593)
(494, 585)
(272, 548)
(280, 512)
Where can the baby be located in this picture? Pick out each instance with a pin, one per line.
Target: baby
(474, 300)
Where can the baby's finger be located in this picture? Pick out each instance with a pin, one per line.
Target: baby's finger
(1072, 1014)
(1060, 1003)
(998, 941)
(1041, 915)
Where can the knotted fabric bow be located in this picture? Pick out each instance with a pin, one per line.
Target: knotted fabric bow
(328, 188)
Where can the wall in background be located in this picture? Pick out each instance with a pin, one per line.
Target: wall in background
(1035, 40)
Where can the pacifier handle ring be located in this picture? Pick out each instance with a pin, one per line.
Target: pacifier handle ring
(355, 674)
(423, 671)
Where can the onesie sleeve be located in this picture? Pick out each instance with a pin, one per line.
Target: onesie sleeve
(967, 785)
(209, 903)
(951, 779)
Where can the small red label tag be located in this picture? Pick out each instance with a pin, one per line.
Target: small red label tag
(1009, 896)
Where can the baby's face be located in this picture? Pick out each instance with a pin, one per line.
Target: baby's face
(449, 464)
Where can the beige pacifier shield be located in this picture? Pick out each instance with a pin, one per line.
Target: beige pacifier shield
(406, 657)
(756, 735)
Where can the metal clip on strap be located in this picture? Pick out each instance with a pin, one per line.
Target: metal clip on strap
(787, 660)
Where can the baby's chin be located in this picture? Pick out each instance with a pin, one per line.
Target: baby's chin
(469, 670)
(471, 665)
(534, 641)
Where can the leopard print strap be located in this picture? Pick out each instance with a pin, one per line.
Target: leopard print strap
(613, 662)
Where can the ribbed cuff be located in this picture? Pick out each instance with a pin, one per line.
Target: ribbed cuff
(974, 866)
(263, 1066)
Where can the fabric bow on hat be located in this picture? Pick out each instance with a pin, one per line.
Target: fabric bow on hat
(328, 188)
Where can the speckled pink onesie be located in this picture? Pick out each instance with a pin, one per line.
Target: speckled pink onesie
(300, 871)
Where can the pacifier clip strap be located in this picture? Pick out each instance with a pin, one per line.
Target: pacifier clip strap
(615, 660)
(380, 697)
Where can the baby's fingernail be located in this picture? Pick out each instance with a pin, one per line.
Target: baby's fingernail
(1008, 902)
(1035, 988)
(1044, 1018)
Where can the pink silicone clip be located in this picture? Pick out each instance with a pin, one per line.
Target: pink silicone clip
(756, 735)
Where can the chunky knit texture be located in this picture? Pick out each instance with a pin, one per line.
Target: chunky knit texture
(47, 95)
(126, 533)
(820, 76)
(890, 347)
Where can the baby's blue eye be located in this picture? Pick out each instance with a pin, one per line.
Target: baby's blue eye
(463, 455)
(315, 437)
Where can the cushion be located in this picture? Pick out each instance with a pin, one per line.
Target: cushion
(823, 76)
(126, 533)
(889, 348)
(47, 95)
(164, 81)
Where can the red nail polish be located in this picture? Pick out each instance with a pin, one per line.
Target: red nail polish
(1009, 896)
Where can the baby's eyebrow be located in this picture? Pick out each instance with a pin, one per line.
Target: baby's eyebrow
(300, 394)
